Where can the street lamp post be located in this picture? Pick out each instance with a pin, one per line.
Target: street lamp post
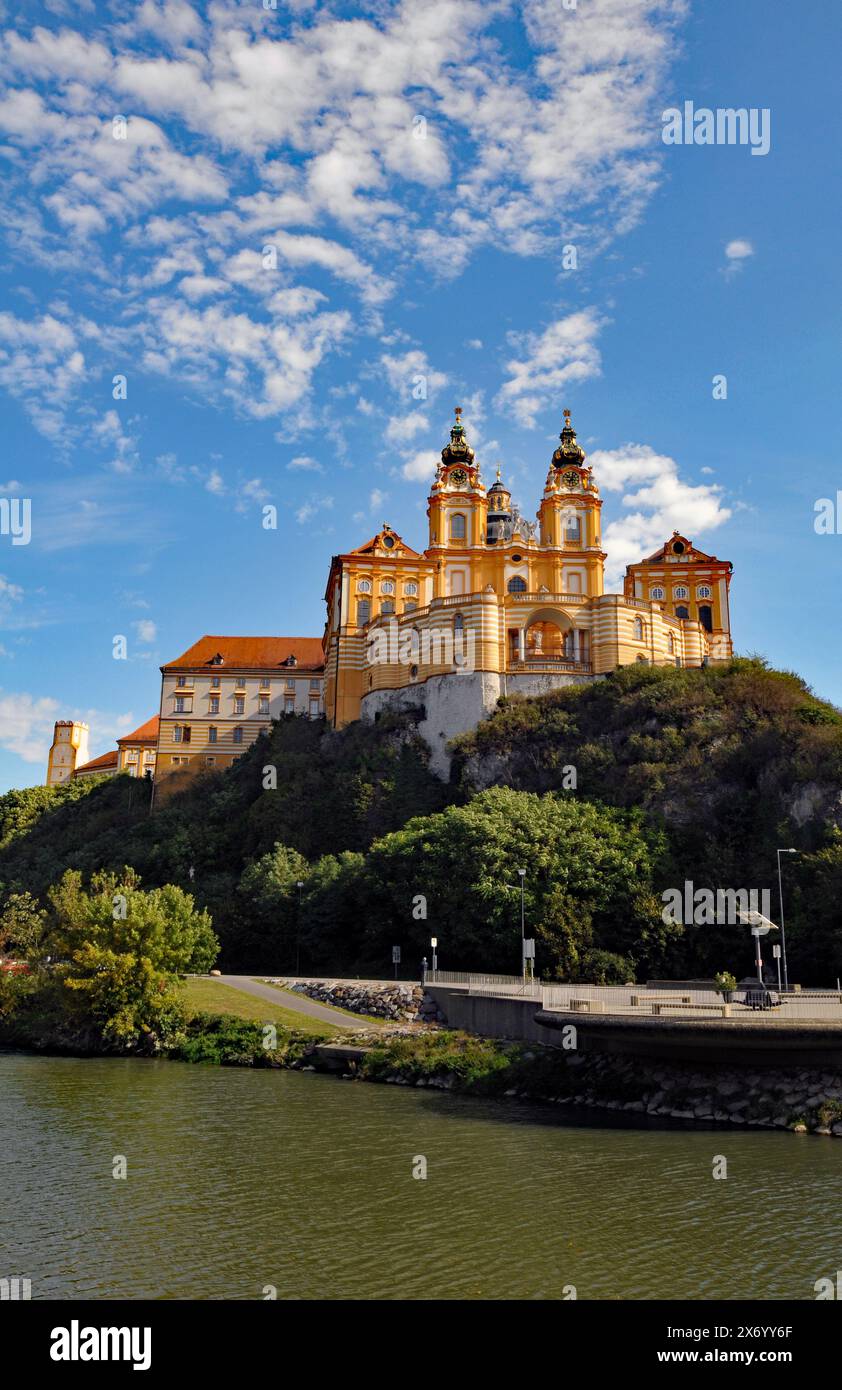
(522, 876)
(781, 901)
(299, 885)
(434, 941)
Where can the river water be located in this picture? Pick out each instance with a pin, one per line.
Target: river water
(239, 1181)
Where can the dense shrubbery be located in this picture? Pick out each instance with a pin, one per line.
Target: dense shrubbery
(103, 965)
(695, 775)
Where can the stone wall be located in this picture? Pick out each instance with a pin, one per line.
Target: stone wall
(805, 1100)
(399, 1003)
(456, 703)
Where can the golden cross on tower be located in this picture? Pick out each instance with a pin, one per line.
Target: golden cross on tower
(458, 413)
(566, 414)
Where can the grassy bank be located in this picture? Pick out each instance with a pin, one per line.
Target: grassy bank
(211, 997)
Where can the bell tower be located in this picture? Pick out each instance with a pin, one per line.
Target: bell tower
(569, 516)
(457, 511)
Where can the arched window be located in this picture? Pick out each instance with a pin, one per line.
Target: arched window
(657, 593)
(457, 527)
(387, 587)
(706, 616)
(516, 585)
(410, 589)
(573, 529)
(639, 631)
(703, 591)
(364, 586)
(680, 592)
(682, 611)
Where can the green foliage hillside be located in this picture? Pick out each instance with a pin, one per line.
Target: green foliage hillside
(680, 775)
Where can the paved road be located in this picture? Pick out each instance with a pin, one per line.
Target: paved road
(298, 1003)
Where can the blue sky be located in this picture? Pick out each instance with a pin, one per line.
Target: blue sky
(418, 170)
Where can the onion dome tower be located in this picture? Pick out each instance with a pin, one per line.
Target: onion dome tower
(458, 452)
(569, 452)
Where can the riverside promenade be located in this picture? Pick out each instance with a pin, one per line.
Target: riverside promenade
(680, 1021)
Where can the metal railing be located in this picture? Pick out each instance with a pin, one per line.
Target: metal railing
(626, 999)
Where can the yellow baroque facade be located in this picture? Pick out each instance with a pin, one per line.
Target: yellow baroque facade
(497, 604)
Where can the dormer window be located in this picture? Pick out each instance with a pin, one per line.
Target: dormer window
(218, 660)
(290, 661)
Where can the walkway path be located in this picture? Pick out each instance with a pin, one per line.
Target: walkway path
(297, 1003)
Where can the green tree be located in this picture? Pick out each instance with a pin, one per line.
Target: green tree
(121, 951)
(22, 924)
(588, 882)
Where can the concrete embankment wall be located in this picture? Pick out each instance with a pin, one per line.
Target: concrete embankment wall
(491, 1017)
(774, 1076)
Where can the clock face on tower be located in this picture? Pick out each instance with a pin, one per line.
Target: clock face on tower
(459, 477)
(570, 479)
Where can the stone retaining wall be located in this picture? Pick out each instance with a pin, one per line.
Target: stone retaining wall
(399, 1003)
(806, 1100)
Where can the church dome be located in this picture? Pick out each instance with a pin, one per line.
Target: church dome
(499, 497)
(569, 451)
(458, 450)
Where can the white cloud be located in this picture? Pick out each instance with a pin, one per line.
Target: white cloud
(421, 467)
(302, 463)
(146, 630)
(655, 501)
(310, 509)
(358, 145)
(404, 428)
(736, 252)
(26, 725)
(564, 353)
(411, 375)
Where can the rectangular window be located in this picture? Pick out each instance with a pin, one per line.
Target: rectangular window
(176, 734)
(214, 705)
(387, 606)
(183, 704)
(290, 684)
(215, 682)
(316, 684)
(263, 705)
(409, 605)
(239, 705)
(181, 681)
(363, 611)
(186, 733)
(289, 704)
(212, 734)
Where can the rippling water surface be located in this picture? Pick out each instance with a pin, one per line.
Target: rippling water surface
(242, 1179)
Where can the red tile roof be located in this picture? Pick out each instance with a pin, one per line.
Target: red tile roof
(147, 733)
(100, 764)
(250, 654)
